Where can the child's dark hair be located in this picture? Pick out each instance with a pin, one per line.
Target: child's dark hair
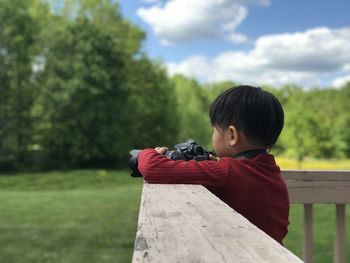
(251, 110)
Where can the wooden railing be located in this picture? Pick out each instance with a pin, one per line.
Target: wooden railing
(186, 223)
(327, 187)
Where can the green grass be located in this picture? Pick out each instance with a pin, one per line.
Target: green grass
(91, 216)
(82, 216)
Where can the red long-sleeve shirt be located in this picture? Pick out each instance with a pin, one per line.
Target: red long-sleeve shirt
(252, 187)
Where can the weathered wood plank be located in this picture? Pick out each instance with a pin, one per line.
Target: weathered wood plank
(308, 246)
(316, 175)
(308, 187)
(339, 243)
(186, 223)
(309, 192)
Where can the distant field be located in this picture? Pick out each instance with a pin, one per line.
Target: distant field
(91, 216)
(312, 164)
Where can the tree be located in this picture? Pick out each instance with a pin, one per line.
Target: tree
(309, 124)
(17, 92)
(341, 123)
(84, 95)
(101, 96)
(215, 89)
(193, 107)
(154, 111)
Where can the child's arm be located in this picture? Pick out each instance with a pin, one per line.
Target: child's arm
(156, 168)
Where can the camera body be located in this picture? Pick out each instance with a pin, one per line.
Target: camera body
(186, 151)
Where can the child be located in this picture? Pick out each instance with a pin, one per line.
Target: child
(246, 122)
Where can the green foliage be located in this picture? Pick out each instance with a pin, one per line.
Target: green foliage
(314, 121)
(193, 107)
(342, 121)
(84, 95)
(153, 106)
(298, 138)
(84, 75)
(17, 90)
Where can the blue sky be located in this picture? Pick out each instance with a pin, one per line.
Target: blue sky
(248, 41)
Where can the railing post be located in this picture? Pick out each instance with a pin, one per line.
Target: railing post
(308, 233)
(339, 244)
(320, 187)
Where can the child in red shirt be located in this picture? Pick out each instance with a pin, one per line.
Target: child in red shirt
(246, 122)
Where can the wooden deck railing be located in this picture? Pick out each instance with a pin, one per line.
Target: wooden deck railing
(327, 187)
(186, 223)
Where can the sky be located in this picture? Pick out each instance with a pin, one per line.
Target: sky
(256, 42)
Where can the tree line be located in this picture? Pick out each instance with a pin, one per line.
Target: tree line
(77, 90)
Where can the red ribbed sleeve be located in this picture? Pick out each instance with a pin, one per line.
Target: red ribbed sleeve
(156, 168)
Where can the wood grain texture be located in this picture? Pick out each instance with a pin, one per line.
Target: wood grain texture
(186, 223)
(316, 175)
(308, 187)
(339, 242)
(308, 235)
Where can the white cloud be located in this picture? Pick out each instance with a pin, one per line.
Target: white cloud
(185, 20)
(237, 38)
(195, 66)
(319, 49)
(339, 82)
(300, 58)
(346, 67)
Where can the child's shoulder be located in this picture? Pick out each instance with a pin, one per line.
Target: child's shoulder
(260, 162)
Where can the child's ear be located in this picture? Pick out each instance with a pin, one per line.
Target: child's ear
(233, 135)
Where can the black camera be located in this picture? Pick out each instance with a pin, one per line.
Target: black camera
(189, 150)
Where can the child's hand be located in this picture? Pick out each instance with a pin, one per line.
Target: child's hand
(212, 157)
(161, 150)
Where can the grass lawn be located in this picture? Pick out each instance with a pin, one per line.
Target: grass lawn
(81, 216)
(91, 216)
